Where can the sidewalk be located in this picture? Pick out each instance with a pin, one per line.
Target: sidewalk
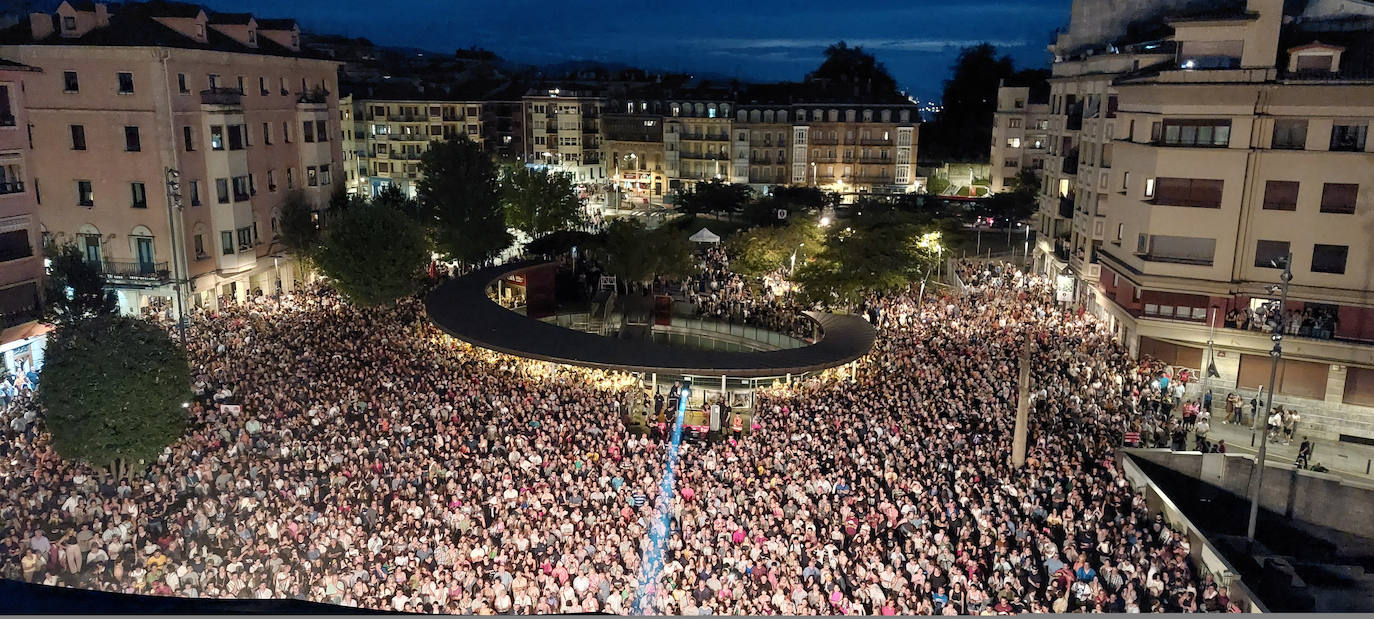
(1346, 459)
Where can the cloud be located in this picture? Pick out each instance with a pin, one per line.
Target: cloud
(878, 44)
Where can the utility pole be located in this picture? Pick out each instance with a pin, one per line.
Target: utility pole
(1261, 421)
(178, 277)
(1018, 441)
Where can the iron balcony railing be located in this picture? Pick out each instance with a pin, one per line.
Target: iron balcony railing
(136, 270)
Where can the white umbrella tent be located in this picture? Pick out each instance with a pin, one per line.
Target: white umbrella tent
(704, 235)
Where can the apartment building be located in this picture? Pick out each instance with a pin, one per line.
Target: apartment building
(21, 260)
(1020, 134)
(166, 139)
(632, 141)
(697, 143)
(1235, 139)
(855, 148)
(396, 133)
(766, 129)
(562, 131)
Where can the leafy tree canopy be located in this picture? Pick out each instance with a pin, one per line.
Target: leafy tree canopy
(635, 254)
(75, 288)
(715, 196)
(539, 202)
(300, 233)
(374, 254)
(854, 260)
(853, 66)
(113, 388)
(755, 252)
(963, 129)
(460, 201)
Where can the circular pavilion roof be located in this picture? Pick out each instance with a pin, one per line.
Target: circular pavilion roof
(461, 308)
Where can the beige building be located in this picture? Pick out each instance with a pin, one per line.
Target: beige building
(1020, 136)
(395, 132)
(854, 149)
(21, 259)
(767, 129)
(562, 131)
(697, 143)
(1241, 138)
(167, 139)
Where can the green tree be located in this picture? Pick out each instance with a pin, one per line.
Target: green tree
(374, 254)
(761, 250)
(715, 196)
(113, 389)
(539, 202)
(635, 254)
(460, 201)
(855, 260)
(75, 288)
(963, 128)
(796, 201)
(853, 67)
(299, 230)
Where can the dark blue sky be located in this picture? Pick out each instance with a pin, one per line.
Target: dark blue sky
(755, 39)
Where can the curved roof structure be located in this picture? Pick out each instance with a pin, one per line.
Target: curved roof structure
(462, 309)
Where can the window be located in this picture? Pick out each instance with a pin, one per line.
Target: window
(1014, 123)
(1339, 198)
(195, 193)
(1329, 258)
(181, 84)
(1192, 192)
(1290, 134)
(271, 180)
(241, 189)
(1125, 180)
(1204, 132)
(214, 81)
(126, 83)
(291, 178)
(1156, 131)
(1181, 249)
(69, 82)
(325, 176)
(198, 242)
(84, 195)
(222, 190)
(322, 131)
(1141, 242)
(216, 137)
(1120, 231)
(1149, 188)
(186, 141)
(131, 141)
(252, 185)
(139, 195)
(1349, 138)
(312, 178)
(286, 132)
(240, 81)
(245, 238)
(1270, 254)
(266, 133)
(1281, 196)
(309, 131)
(1014, 142)
(78, 137)
(226, 241)
(262, 86)
(1010, 163)
(235, 137)
(69, 23)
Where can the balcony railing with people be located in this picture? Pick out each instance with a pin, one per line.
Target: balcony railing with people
(136, 270)
(314, 95)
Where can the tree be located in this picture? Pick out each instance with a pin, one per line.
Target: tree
(460, 201)
(794, 200)
(963, 128)
(113, 389)
(761, 250)
(374, 254)
(539, 202)
(845, 65)
(634, 254)
(299, 231)
(75, 288)
(715, 196)
(882, 258)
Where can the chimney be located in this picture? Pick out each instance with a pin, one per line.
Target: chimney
(40, 24)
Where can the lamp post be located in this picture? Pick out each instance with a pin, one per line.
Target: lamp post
(174, 209)
(1261, 421)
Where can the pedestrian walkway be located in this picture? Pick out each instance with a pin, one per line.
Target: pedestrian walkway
(1345, 459)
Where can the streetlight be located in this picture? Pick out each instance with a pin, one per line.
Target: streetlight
(1261, 421)
(174, 208)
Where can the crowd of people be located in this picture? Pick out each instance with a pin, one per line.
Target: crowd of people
(1318, 322)
(359, 457)
(723, 295)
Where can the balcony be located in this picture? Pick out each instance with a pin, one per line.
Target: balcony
(314, 95)
(1066, 207)
(151, 271)
(221, 96)
(711, 156)
(1071, 163)
(876, 142)
(875, 179)
(880, 160)
(8, 187)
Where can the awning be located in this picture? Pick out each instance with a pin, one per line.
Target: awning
(705, 236)
(25, 331)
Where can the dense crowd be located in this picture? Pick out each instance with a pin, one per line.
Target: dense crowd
(721, 294)
(359, 457)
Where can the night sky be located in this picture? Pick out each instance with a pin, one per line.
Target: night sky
(753, 40)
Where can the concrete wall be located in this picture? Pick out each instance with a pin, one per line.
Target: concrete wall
(1301, 495)
(1203, 555)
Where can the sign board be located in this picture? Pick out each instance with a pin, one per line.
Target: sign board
(518, 280)
(1063, 289)
(231, 409)
(607, 281)
(782, 213)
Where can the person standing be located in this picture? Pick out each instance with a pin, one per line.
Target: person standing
(1207, 402)
(1304, 453)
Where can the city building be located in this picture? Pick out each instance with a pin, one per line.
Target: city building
(855, 148)
(632, 141)
(766, 129)
(1203, 152)
(21, 259)
(166, 139)
(394, 133)
(562, 132)
(1020, 134)
(697, 141)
